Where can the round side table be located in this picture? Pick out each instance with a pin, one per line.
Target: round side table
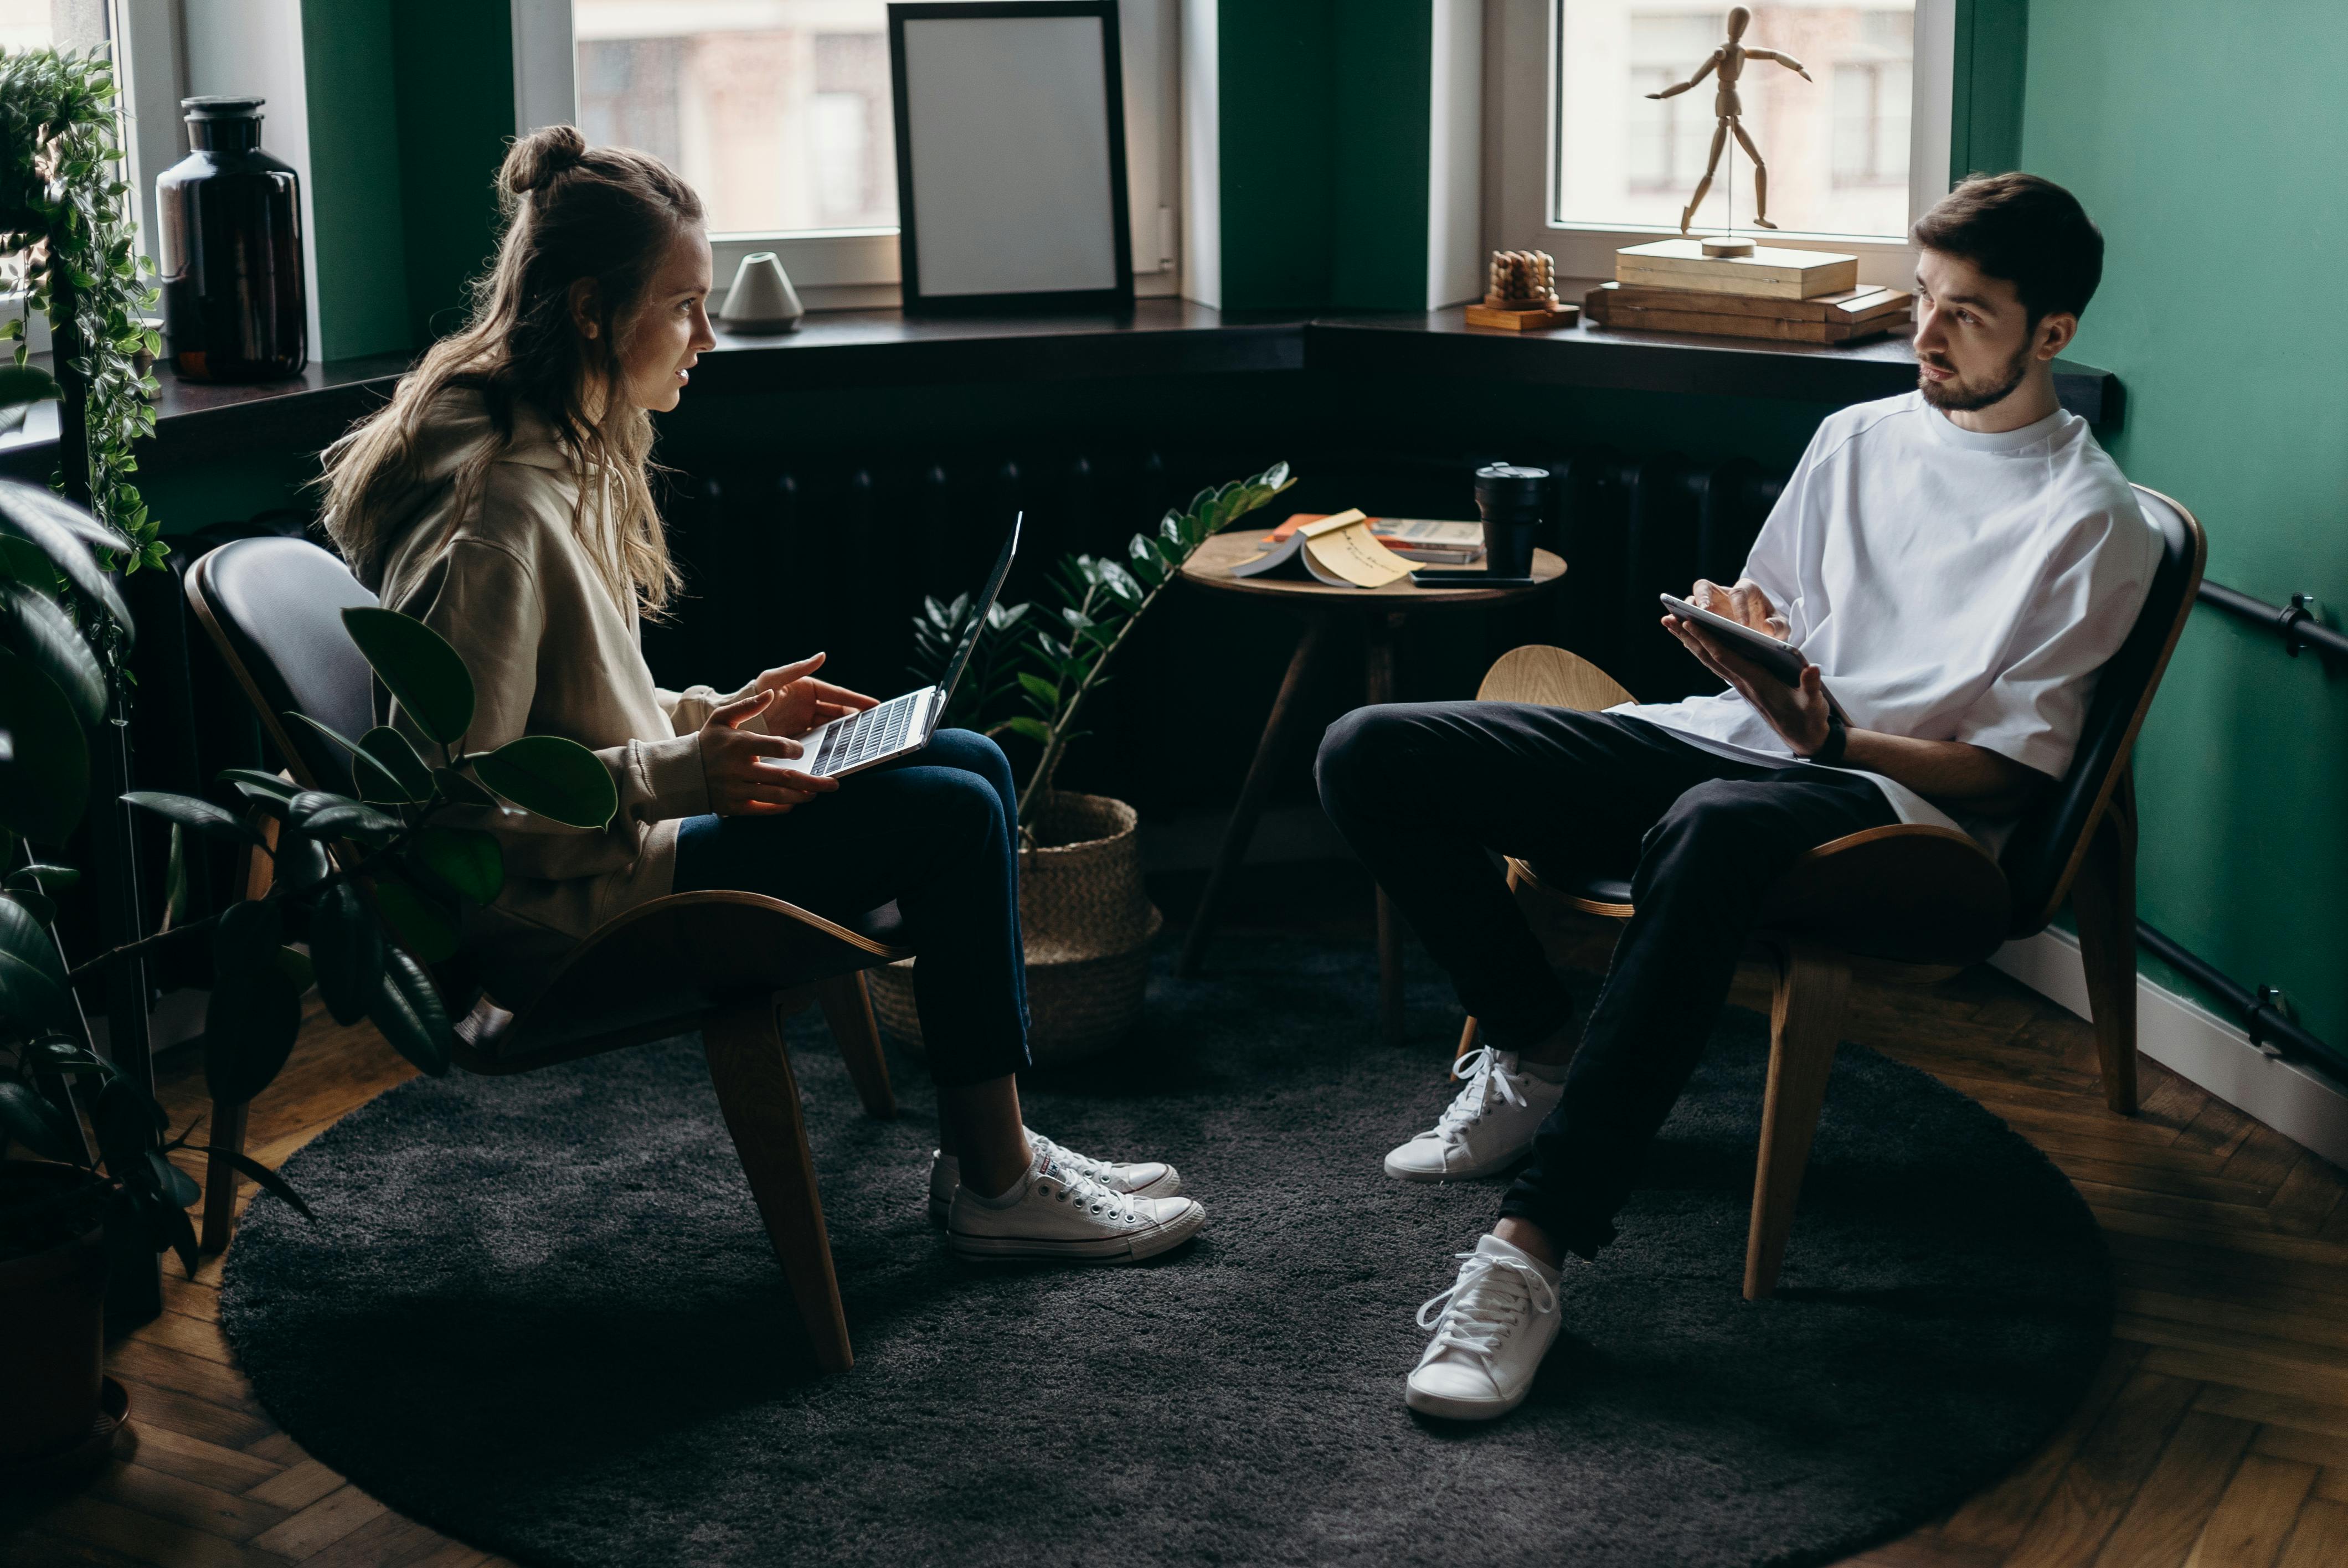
(1380, 613)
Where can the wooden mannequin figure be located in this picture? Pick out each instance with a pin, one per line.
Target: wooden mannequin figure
(1729, 61)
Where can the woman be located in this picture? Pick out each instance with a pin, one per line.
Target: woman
(501, 497)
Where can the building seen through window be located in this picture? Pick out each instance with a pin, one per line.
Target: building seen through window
(776, 111)
(1836, 146)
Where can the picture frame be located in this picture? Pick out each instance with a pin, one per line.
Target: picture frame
(1011, 177)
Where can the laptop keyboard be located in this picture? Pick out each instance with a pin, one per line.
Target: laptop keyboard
(874, 732)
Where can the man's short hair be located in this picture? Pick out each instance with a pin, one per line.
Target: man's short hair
(2030, 231)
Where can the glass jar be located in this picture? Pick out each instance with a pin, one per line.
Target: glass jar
(236, 304)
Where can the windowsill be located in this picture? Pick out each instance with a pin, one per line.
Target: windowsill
(196, 422)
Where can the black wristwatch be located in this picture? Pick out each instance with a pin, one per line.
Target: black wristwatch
(1837, 737)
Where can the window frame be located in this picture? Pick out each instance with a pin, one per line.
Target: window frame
(1521, 149)
(848, 269)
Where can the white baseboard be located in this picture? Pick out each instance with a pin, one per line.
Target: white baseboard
(2303, 1103)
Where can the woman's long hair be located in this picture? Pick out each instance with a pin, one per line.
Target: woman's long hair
(571, 211)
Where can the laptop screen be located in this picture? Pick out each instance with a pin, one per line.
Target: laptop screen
(978, 612)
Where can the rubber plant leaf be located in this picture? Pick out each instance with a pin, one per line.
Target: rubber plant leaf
(189, 812)
(416, 665)
(33, 627)
(44, 778)
(346, 952)
(554, 777)
(409, 1011)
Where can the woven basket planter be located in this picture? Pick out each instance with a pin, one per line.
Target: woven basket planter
(1087, 926)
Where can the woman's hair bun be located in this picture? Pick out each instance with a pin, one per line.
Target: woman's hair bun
(536, 158)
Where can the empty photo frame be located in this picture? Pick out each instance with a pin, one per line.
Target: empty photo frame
(1010, 155)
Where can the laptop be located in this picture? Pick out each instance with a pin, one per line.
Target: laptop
(905, 724)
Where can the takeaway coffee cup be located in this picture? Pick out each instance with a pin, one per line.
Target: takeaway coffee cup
(1511, 499)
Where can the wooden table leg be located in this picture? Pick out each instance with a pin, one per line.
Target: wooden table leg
(1380, 671)
(1268, 752)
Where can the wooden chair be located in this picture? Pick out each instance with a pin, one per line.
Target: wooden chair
(730, 964)
(1913, 903)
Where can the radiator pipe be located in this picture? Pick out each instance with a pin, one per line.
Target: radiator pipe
(2271, 1029)
(2294, 621)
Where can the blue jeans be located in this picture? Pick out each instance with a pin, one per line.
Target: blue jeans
(936, 831)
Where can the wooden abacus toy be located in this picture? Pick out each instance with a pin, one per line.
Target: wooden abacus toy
(1522, 294)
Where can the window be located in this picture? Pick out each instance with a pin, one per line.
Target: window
(25, 24)
(779, 113)
(1588, 162)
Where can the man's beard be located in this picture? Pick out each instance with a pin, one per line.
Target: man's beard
(1962, 396)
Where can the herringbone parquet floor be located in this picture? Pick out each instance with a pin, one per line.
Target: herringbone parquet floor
(2215, 1436)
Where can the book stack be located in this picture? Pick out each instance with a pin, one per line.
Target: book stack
(1783, 295)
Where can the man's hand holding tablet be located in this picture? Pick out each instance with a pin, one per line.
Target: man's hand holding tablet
(1737, 634)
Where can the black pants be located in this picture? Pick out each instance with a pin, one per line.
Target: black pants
(1423, 791)
(937, 832)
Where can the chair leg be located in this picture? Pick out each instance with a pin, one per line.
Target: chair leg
(2103, 897)
(226, 1131)
(760, 1101)
(1805, 1025)
(1466, 1044)
(847, 1008)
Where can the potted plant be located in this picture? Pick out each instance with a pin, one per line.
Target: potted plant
(364, 892)
(1086, 922)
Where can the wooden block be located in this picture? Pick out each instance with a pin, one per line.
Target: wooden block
(1859, 304)
(1782, 273)
(1533, 321)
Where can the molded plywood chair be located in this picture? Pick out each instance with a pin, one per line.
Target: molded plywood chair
(1916, 903)
(729, 964)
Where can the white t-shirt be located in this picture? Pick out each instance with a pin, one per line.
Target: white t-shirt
(1949, 586)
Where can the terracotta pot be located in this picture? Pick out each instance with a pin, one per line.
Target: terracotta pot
(1085, 926)
(53, 1352)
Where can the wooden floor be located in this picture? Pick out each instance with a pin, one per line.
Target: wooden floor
(2215, 1436)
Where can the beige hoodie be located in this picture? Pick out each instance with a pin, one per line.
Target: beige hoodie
(552, 653)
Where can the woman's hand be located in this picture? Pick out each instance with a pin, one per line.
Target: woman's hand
(744, 779)
(801, 702)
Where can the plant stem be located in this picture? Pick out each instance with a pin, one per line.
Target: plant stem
(88, 965)
(1049, 763)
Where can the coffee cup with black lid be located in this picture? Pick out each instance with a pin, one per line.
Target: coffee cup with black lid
(1512, 499)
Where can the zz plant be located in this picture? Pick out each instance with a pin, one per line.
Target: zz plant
(1057, 657)
(375, 884)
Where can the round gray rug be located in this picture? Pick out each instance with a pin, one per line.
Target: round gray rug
(539, 1314)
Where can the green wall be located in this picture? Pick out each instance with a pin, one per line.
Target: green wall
(411, 104)
(1323, 125)
(361, 285)
(2207, 137)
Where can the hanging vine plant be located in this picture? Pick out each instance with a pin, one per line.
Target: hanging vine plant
(66, 225)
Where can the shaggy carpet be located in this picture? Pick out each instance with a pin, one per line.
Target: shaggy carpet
(539, 1313)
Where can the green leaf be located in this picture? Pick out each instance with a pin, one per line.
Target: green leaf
(45, 781)
(394, 758)
(36, 903)
(323, 816)
(416, 665)
(28, 1116)
(409, 1011)
(422, 924)
(189, 812)
(171, 1181)
(1046, 693)
(43, 635)
(467, 861)
(67, 537)
(250, 780)
(554, 777)
(298, 968)
(1033, 729)
(330, 734)
(128, 1123)
(256, 1010)
(268, 1180)
(33, 989)
(346, 952)
(301, 861)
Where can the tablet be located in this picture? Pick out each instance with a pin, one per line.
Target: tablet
(1781, 660)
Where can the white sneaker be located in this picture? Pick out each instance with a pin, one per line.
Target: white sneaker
(1500, 1320)
(1142, 1179)
(1061, 1212)
(1488, 1126)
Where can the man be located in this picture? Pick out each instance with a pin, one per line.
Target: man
(1954, 564)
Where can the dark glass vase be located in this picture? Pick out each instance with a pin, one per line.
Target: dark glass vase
(234, 302)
